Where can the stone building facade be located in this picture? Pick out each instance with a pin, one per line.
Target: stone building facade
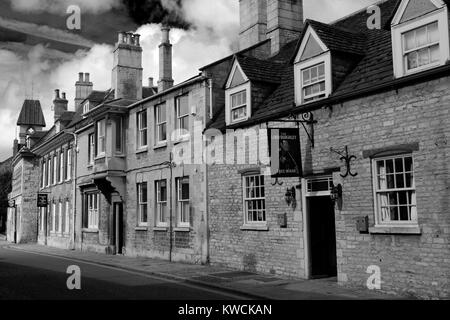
(372, 197)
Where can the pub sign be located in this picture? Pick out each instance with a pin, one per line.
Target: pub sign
(285, 154)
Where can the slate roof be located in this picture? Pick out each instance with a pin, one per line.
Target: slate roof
(373, 68)
(31, 114)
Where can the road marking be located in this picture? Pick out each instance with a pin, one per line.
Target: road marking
(137, 273)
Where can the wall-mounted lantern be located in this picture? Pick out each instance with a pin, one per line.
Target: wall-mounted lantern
(290, 196)
(336, 193)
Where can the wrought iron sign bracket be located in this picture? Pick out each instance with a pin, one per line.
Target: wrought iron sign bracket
(306, 119)
(348, 160)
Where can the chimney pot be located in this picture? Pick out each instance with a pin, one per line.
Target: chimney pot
(87, 77)
(121, 37)
(137, 40)
(165, 34)
(57, 94)
(64, 96)
(150, 82)
(80, 77)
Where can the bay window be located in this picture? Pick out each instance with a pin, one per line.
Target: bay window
(101, 138)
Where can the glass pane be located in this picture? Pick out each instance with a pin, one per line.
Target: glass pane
(408, 164)
(306, 77)
(392, 198)
(433, 32)
(184, 191)
(412, 60)
(400, 180)
(409, 40)
(434, 53)
(183, 105)
(424, 56)
(321, 71)
(162, 191)
(389, 166)
(314, 75)
(144, 213)
(390, 181)
(403, 198)
(404, 214)
(394, 213)
(421, 36)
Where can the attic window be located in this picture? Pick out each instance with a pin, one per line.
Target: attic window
(239, 106)
(420, 37)
(86, 107)
(313, 82)
(238, 96)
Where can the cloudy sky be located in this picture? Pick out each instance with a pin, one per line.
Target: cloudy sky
(38, 54)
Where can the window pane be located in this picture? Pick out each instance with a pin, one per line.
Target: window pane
(409, 40)
(433, 32)
(182, 106)
(412, 60)
(434, 53)
(306, 77)
(314, 77)
(421, 36)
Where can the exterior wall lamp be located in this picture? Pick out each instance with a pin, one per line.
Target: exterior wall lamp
(336, 193)
(290, 196)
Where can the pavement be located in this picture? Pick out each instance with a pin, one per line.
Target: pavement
(242, 284)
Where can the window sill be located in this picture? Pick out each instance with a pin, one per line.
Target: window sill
(162, 229)
(160, 146)
(182, 229)
(87, 230)
(142, 150)
(100, 157)
(141, 229)
(260, 227)
(413, 230)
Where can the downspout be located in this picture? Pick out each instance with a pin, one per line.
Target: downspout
(171, 209)
(74, 196)
(210, 98)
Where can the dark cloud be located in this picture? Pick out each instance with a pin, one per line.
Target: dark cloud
(153, 11)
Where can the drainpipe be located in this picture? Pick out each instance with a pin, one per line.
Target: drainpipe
(210, 83)
(170, 210)
(74, 196)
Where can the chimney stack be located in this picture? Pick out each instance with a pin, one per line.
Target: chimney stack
(165, 61)
(83, 88)
(281, 21)
(59, 105)
(253, 22)
(127, 68)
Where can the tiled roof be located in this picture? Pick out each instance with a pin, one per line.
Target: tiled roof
(148, 91)
(31, 114)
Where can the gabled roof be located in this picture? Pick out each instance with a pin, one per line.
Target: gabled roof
(31, 114)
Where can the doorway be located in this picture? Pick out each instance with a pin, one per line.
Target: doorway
(322, 237)
(118, 228)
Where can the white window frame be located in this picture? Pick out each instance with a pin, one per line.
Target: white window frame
(44, 173)
(67, 217)
(246, 199)
(182, 223)
(53, 217)
(61, 166)
(159, 123)
(55, 168)
(60, 207)
(247, 87)
(93, 209)
(69, 164)
(376, 191)
(141, 131)
(299, 67)
(160, 204)
(91, 148)
(101, 138)
(141, 204)
(181, 133)
(441, 17)
(86, 107)
(49, 171)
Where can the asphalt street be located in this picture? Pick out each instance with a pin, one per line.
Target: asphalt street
(29, 276)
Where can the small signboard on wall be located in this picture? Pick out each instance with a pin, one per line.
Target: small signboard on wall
(285, 154)
(42, 200)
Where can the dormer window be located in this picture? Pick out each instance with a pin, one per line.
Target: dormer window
(239, 106)
(312, 69)
(86, 107)
(420, 38)
(238, 96)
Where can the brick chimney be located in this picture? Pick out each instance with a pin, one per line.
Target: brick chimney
(83, 88)
(59, 104)
(284, 22)
(253, 22)
(165, 61)
(127, 67)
